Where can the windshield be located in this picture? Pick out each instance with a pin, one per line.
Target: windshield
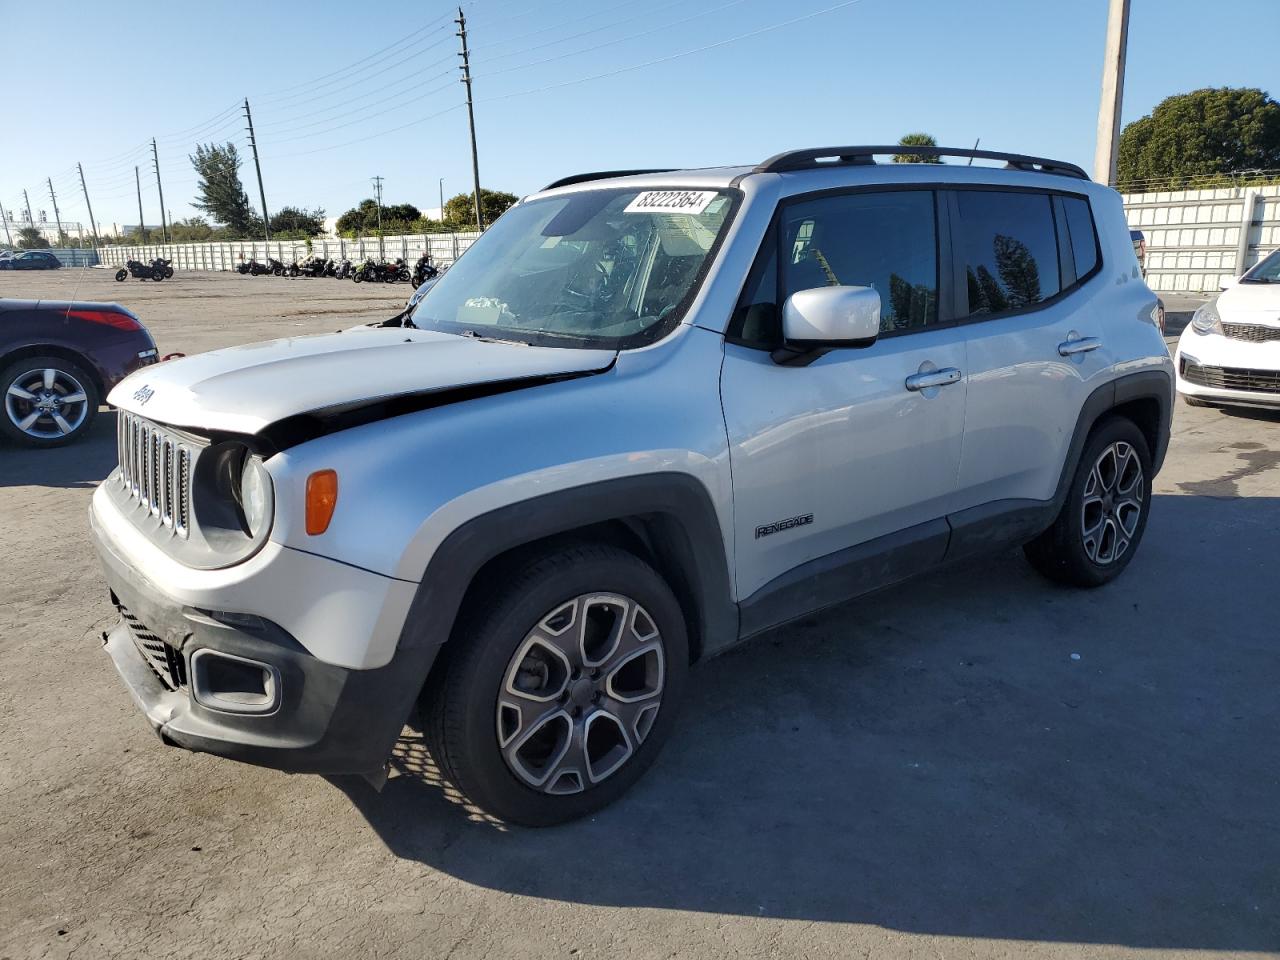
(599, 268)
(1268, 271)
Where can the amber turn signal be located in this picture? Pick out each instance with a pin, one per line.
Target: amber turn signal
(322, 497)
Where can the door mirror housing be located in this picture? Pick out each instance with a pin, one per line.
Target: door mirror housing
(824, 318)
(831, 317)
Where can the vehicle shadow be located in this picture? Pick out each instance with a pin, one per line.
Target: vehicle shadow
(979, 754)
(84, 463)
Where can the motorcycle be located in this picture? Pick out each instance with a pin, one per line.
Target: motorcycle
(342, 269)
(161, 262)
(253, 268)
(396, 270)
(314, 266)
(424, 270)
(274, 267)
(369, 270)
(143, 271)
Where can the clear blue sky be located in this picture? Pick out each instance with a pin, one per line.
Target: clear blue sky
(1021, 74)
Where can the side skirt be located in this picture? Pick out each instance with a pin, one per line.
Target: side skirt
(885, 561)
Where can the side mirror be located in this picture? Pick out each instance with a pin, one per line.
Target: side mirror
(828, 317)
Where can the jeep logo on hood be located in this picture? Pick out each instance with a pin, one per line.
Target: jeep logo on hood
(143, 394)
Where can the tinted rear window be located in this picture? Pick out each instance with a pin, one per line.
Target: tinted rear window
(1009, 249)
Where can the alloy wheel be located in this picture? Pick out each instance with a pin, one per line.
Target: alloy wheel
(581, 693)
(1112, 504)
(46, 404)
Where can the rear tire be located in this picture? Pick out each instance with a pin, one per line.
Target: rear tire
(560, 685)
(1101, 523)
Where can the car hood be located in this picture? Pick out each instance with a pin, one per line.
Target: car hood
(245, 389)
(1251, 303)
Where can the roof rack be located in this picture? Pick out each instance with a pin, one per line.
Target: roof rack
(603, 175)
(823, 156)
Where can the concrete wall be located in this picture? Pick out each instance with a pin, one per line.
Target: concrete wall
(1199, 239)
(444, 249)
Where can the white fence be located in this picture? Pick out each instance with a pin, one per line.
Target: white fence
(1199, 239)
(225, 255)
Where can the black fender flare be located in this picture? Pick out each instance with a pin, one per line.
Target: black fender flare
(1156, 385)
(671, 512)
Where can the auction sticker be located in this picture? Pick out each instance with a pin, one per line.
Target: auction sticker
(671, 201)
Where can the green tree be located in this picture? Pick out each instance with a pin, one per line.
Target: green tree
(917, 140)
(297, 223)
(362, 220)
(460, 211)
(30, 238)
(219, 191)
(1018, 271)
(1194, 138)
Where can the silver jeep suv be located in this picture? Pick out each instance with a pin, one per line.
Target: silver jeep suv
(649, 414)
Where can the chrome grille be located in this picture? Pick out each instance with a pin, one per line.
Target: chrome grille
(155, 470)
(1254, 332)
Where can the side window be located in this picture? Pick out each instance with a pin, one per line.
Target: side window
(1084, 238)
(1008, 246)
(886, 241)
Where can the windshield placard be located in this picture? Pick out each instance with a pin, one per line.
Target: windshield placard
(672, 201)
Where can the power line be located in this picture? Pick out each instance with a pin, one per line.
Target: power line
(394, 108)
(612, 43)
(372, 136)
(308, 86)
(646, 15)
(676, 56)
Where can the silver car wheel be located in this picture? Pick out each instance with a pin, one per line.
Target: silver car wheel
(1112, 504)
(581, 693)
(46, 404)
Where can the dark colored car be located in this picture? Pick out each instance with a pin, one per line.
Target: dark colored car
(58, 359)
(31, 260)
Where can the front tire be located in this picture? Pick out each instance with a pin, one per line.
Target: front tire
(1102, 521)
(48, 401)
(560, 685)
(120, 275)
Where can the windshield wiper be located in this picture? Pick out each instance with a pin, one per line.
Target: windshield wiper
(473, 335)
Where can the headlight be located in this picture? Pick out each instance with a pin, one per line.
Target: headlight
(255, 495)
(1206, 319)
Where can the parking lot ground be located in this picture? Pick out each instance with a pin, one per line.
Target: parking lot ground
(978, 764)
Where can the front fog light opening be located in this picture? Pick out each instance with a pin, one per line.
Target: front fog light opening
(231, 684)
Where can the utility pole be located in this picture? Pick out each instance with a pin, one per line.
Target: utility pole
(1108, 146)
(262, 194)
(142, 223)
(92, 223)
(155, 158)
(8, 240)
(377, 189)
(471, 113)
(27, 200)
(442, 199)
(57, 217)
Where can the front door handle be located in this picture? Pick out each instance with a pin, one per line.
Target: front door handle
(933, 378)
(1070, 347)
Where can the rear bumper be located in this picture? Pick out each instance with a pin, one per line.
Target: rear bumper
(321, 718)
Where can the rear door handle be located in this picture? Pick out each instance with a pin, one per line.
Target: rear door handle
(933, 378)
(1082, 345)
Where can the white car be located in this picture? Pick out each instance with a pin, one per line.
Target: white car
(1229, 354)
